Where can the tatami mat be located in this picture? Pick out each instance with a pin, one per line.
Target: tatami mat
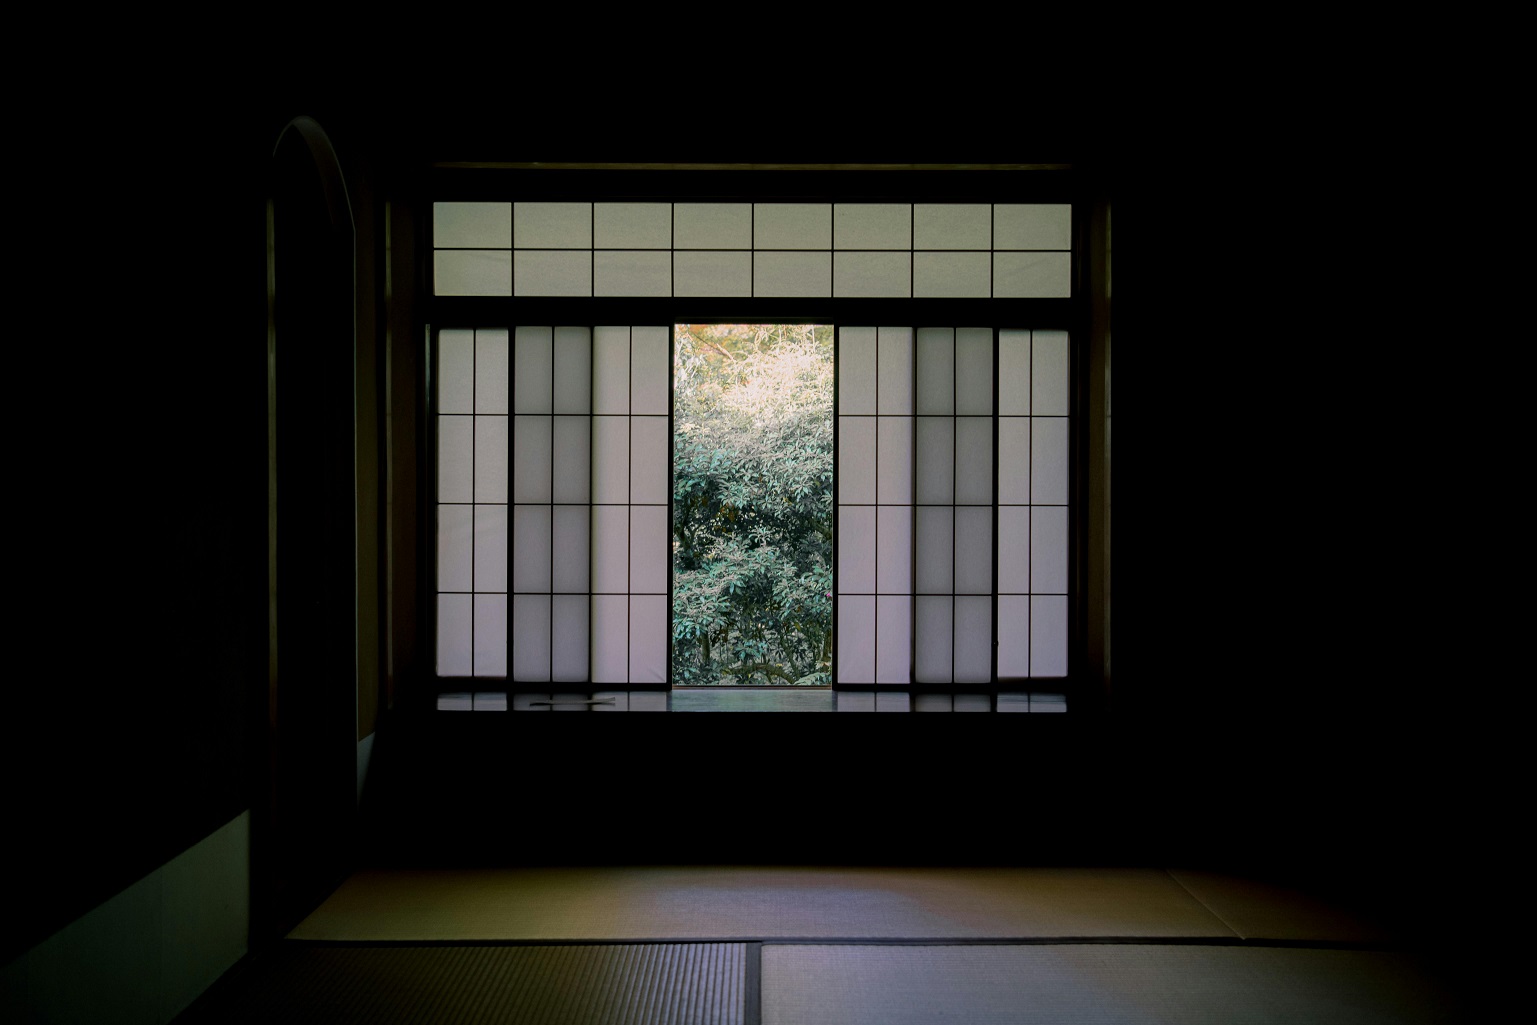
(716, 903)
(1096, 984)
(1257, 910)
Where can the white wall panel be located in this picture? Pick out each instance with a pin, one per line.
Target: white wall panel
(456, 558)
(856, 370)
(571, 532)
(490, 546)
(894, 544)
(894, 460)
(936, 371)
(1032, 275)
(894, 370)
(856, 549)
(936, 460)
(632, 225)
(611, 370)
(873, 225)
(549, 272)
(1013, 373)
(712, 225)
(1032, 226)
(531, 458)
(792, 226)
(530, 637)
(1013, 549)
(490, 635)
(611, 549)
(973, 549)
(456, 459)
(856, 460)
(455, 629)
(856, 639)
(792, 274)
(650, 371)
(893, 639)
(490, 371)
(570, 640)
(932, 640)
(572, 452)
(650, 449)
(1049, 373)
(456, 371)
(934, 551)
(1048, 635)
(611, 459)
(952, 225)
(973, 639)
(628, 273)
(1048, 459)
(610, 638)
(531, 548)
(974, 371)
(471, 272)
(649, 550)
(458, 225)
(707, 274)
(1013, 460)
(952, 275)
(872, 275)
(1013, 636)
(552, 225)
(973, 460)
(648, 638)
(1048, 550)
(490, 459)
(572, 354)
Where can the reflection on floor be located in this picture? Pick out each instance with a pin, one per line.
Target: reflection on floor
(753, 699)
(800, 946)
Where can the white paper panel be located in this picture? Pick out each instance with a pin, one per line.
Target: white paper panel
(856, 459)
(893, 639)
(454, 630)
(1049, 371)
(1013, 549)
(973, 550)
(856, 701)
(712, 274)
(931, 703)
(610, 638)
(1013, 460)
(552, 225)
(872, 275)
(894, 370)
(490, 635)
(792, 274)
(573, 370)
(1032, 275)
(973, 703)
(886, 701)
(550, 272)
(472, 272)
(1014, 373)
(649, 442)
(1048, 550)
(856, 550)
(456, 458)
(856, 639)
(573, 450)
(648, 638)
(569, 655)
(1048, 635)
(610, 549)
(530, 637)
(873, 225)
(936, 460)
(952, 226)
(856, 370)
(611, 370)
(490, 459)
(1048, 459)
(632, 225)
(490, 547)
(491, 370)
(611, 459)
(712, 225)
(1013, 636)
(531, 465)
(630, 273)
(952, 275)
(571, 539)
(455, 547)
(931, 662)
(974, 371)
(650, 370)
(974, 460)
(894, 460)
(531, 548)
(472, 225)
(1032, 226)
(456, 371)
(936, 371)
(973, 640)
(1015, 703)
(792, 226)
(893, 549)
(648, 549)
(934, 555)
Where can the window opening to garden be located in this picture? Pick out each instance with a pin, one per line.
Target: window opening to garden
(752, 505)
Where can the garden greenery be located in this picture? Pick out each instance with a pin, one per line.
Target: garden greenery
(752, 507)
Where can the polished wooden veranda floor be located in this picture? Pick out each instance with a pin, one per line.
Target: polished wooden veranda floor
(847, 945)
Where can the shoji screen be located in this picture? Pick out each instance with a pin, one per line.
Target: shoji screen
(631, 449)
(472, 503)
(954, 489)
(875, 506)
(1033, 457)
(551, 428)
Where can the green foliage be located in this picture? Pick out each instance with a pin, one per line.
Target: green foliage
(752, 505)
